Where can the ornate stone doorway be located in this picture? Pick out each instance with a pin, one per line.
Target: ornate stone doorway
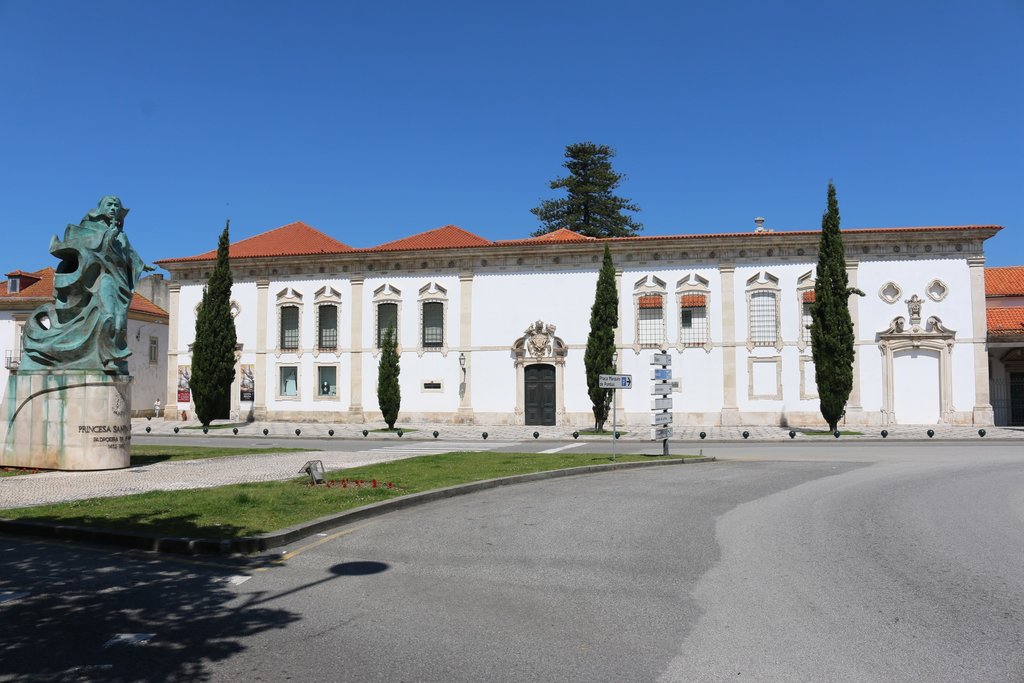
(917, 352)
(540, 375)
(540, 394)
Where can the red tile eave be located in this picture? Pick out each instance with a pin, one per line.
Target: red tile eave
(1004, 281)
(276, 246)
(1005, 322)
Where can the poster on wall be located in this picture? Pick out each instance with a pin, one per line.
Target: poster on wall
(247, 383)
(184, 377)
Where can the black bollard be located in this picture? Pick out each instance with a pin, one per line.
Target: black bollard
(884, 433)
(206, 430)
(436, 433)
(931, 433)
(365, 432)
(297, 431)
(703, 435)
(148, 429)
(234, 430)
(400, 432)
(175, 430)
(982, 432)
(536, 435)
(265, 431)
(575, 435)
(792, 434)
(330, 432)
(746, 435)
(484, 435)
(836, 433)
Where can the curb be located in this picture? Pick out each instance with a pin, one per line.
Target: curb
(275, 539)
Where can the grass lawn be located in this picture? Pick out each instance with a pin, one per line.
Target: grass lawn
(247, 509)
(148, 455)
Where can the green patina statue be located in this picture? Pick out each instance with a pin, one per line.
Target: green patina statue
(86, 327)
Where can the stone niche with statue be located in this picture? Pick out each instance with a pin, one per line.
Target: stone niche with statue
(68, 404)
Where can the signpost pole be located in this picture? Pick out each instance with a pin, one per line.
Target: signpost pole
(613, 424)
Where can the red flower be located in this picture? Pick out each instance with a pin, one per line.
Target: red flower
(374, 483)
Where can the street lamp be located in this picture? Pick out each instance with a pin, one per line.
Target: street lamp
(462, 360)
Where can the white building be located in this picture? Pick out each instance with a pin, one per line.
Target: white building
(23, 292)
(494, 332)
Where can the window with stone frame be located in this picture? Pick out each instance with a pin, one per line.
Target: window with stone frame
(433, 324)
(649, 309)
(288, 381)
(327, 327)
(289, 339)
(387, 316)
(154, 350)
(806, 315)
(326, 380)
(387, 307)
(763, 311)
(693, 319)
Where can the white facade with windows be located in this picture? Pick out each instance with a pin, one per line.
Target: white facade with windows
(495, 332)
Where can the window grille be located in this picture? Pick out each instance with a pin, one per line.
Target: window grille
(693, 320)
(807, 320)
(289, 327)
(763, 321)
(650, 321)
(433, 324)
(154, 350)
(328, 333)
(387, 316)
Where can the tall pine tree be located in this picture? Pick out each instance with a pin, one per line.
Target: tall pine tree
(590, 208)
(213, 354)
(389, 393)
(832, 340)
(597, 359)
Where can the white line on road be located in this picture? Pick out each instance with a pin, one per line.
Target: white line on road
(562, 448)
(129, 639)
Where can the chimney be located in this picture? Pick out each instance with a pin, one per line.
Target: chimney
(759, 222)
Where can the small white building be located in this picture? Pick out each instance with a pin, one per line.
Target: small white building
(23, 292)
(494, 331)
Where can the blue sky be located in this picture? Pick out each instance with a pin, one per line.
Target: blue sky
(376, 120)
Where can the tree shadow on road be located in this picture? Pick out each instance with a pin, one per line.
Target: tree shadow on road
(72, 613)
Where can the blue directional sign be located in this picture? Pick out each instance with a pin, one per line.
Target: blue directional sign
(661, 373)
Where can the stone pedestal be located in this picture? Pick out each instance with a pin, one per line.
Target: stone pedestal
(67, 420)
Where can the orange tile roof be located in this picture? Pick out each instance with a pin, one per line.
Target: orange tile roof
(650, 301)
(445, 237)
(808, 296)
(42, 289)
(560, 235)
(1006, 281)
(294, 239)
(693, 300)
(141, 304)
(1005, 322)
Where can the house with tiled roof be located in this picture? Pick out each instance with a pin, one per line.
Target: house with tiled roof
(1004, 302)
(494, 331)
(25, 291)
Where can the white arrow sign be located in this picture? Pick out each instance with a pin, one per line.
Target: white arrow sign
(615, 381)
(661, 389)
(661, 373)
(661, 403)
(661, 359)
(661, 419)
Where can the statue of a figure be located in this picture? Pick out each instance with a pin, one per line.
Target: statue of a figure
(86, 327)
(914, 308)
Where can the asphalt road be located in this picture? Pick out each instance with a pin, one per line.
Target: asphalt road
(893, 564)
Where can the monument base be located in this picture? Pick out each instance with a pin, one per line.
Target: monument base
(67, 420)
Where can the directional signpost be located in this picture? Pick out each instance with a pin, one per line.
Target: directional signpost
(661, 404)
(614, 382)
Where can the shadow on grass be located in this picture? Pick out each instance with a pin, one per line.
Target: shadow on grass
(68, 609)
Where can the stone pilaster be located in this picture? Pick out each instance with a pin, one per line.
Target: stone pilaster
(465, 412)
(730, 409)
(355, 406)
(853, 403)
(260, 374)
(173, 322)
(983, 413)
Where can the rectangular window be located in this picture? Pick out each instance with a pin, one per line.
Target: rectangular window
(650, 322)
(807, 303)
(14, 285)
(433, 324)
(289, 381)
(693, 320)
(327, 337)
(387, 316)
(327, 380)
(154, 350)
(289, 327)
(763, 321)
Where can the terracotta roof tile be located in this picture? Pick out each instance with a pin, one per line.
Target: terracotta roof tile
(445, 237)
(294, 239)
(693, 301)
(42, 289)
(560, 235)
(1005, 322)
(650, 301)
(141, 304)
(808, 296)
(1007, 281)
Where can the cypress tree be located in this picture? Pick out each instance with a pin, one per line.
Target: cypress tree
(589, 208)
(389, 394)
(832, 340)
(213, 353)
(597, 359)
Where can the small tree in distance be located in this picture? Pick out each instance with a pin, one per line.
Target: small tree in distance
(389, 393)
(597, 359)
(213, 353)
(590, 208)
(832, 340)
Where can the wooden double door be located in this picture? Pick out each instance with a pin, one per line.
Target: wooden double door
(540, 394)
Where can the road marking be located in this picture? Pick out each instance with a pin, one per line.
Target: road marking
(290, 554)
(236, 580)
(561, 448)
(129, 639)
